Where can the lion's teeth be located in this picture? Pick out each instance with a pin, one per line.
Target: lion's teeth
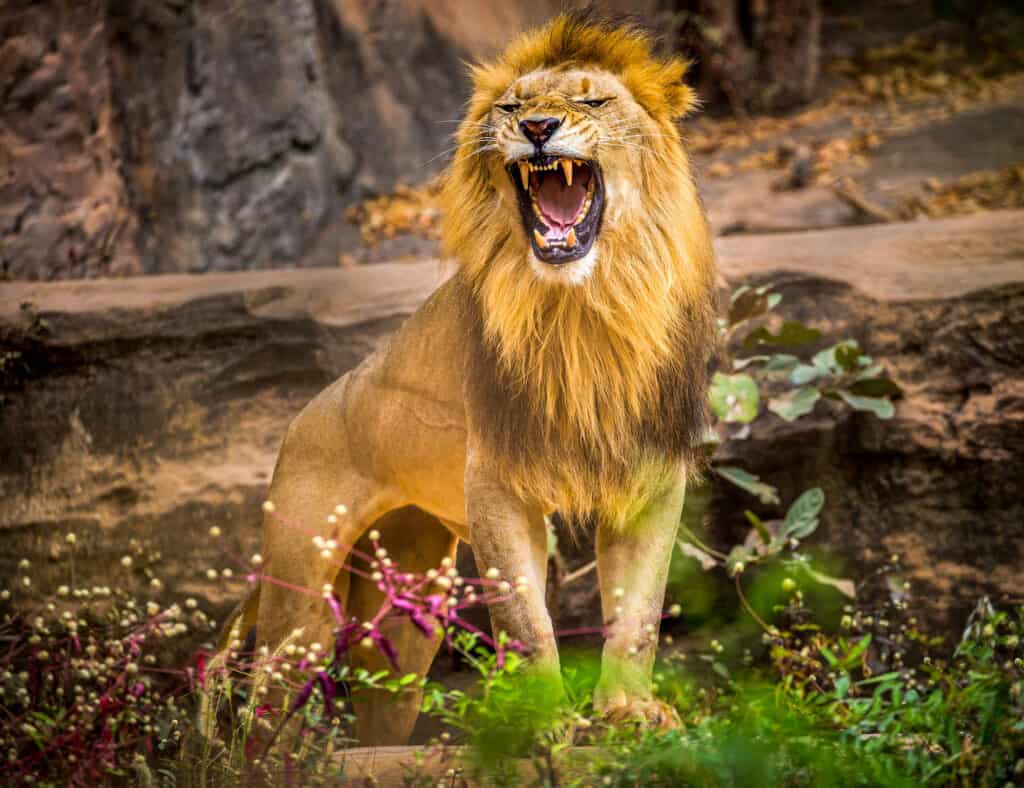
(541, 241)
(524, 174)
(571, 237)
(567, 170)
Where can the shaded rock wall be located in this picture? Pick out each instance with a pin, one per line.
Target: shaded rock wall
(65, 209)
(154, 136)
(154, 408)
(147, 136)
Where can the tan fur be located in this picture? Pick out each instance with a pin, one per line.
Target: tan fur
(517, 389)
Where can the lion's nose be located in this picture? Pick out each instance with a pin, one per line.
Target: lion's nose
(539, 130)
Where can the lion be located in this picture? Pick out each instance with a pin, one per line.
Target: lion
(561, 368)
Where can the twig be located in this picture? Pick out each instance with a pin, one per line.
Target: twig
(851, 194)
(576, 574)
(748, 608)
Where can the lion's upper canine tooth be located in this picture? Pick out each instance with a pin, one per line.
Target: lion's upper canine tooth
(571, 237)
(567, 170)
(524, 174)
(541, 241)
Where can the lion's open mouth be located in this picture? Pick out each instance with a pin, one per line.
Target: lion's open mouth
(561, 201)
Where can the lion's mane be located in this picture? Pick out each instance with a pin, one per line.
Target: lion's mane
(587, 392)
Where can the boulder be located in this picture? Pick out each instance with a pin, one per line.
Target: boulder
(152, 408)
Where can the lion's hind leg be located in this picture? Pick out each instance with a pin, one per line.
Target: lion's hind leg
(416, 542)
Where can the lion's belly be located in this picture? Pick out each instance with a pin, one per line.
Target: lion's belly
(405, 410)
(431, 468)
(410, 441)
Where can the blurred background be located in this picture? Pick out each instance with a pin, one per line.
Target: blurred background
(160, 136)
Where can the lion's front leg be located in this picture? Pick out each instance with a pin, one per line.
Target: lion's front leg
(509, 535)
(632, 563)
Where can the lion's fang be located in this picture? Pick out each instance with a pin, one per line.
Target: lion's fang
(571, 237)
(541, 241)
(567, 171)
(524, 174)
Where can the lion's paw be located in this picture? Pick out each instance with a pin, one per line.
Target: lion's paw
(649, 713)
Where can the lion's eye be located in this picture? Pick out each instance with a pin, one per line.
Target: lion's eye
(595, 102)
(508, 107)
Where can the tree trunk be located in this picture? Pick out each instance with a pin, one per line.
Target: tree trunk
(754, 54)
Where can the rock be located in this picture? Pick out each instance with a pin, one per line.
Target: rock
(152, 408)
(942, 305)
(66, 211)
(144, 136)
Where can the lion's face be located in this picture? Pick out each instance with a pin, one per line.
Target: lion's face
(568, 144)
(569, 164)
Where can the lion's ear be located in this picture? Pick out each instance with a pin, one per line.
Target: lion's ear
(681, 99)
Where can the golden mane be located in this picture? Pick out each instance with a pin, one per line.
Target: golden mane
(580, 385)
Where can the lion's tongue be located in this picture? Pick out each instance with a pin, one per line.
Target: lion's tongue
(560, 203)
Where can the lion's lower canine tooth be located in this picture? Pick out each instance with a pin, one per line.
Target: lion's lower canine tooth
(524, 174)
(571, 237)
(567, 171)
(541, 242)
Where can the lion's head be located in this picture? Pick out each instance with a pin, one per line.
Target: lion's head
(571, 209)
(571, 136)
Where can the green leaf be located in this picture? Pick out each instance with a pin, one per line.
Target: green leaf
(795, 403)
(859, 649)
(749, 482)
(840, 584)
(780, 362)
(875, 387)
(739, 554)
(842, 686)
(842, 357)
(791, 334)
(734, 398)
(847, 355)
(882, 408)
(802, 517)
(830, 658)
(701, 556)
(871, 371)
(805, 373)
(552, 538)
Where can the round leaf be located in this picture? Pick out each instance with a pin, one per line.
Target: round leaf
(794, 404)
(734, 398)
(882, 408)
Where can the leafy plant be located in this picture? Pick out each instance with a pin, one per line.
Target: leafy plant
(840, 372)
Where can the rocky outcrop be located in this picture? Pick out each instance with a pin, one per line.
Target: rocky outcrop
(152, 408)
(160, 136)
(151, 136)
(65, 207)
(942, 305)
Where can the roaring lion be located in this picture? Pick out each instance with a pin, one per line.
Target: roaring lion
(563, 367)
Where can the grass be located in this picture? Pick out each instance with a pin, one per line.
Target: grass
(774, 699)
